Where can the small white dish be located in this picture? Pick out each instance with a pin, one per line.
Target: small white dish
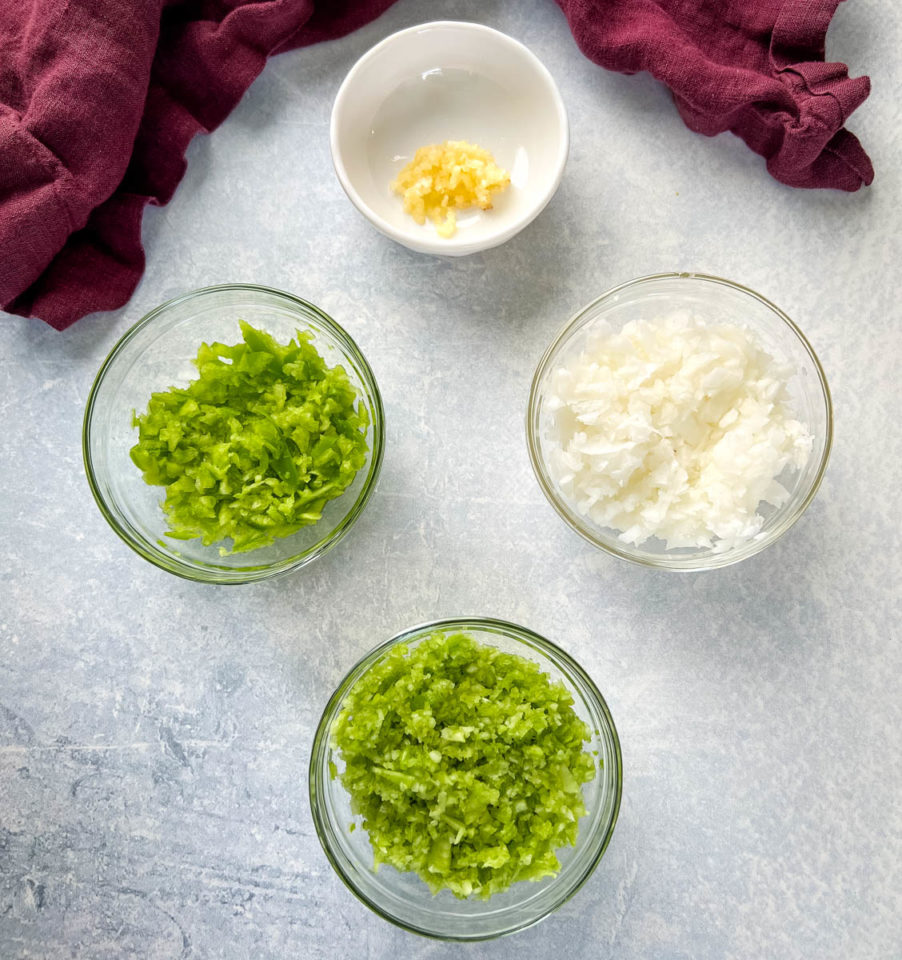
(440, 81)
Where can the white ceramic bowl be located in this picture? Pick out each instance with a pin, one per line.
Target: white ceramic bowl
(449, 81)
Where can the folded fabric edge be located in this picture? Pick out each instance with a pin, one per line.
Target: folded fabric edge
(123, 269)
(815, 157)
(842, 160)
(312, 32)
(832, 80)
(798, 47)
(800, 31)
(33, 198)
(67, 289)
(108, 246)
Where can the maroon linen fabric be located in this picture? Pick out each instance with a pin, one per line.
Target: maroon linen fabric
(755, 67)
(100, 98)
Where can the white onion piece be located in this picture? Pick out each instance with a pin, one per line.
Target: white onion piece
(673, 428)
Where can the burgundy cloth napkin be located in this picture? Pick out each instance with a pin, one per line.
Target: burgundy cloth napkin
(755, 67)
(100, 98)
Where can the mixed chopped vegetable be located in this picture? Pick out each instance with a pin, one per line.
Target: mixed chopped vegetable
(466, 764)
(254, 447)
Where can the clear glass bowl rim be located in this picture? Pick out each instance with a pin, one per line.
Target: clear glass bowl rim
(573, 671)
(251, 574)
(688, 565)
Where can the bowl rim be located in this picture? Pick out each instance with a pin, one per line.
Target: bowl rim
(319, 751)
(250, 573)
(434, 244)
(683, 565)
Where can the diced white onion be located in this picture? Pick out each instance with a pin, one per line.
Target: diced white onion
(673, 428)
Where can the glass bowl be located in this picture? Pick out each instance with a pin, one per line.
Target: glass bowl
(712, 299)
(157, 353)
(403, 898)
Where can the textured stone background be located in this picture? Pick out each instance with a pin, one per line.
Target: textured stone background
(154, 734)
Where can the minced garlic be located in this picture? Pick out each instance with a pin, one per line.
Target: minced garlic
(449, 176)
